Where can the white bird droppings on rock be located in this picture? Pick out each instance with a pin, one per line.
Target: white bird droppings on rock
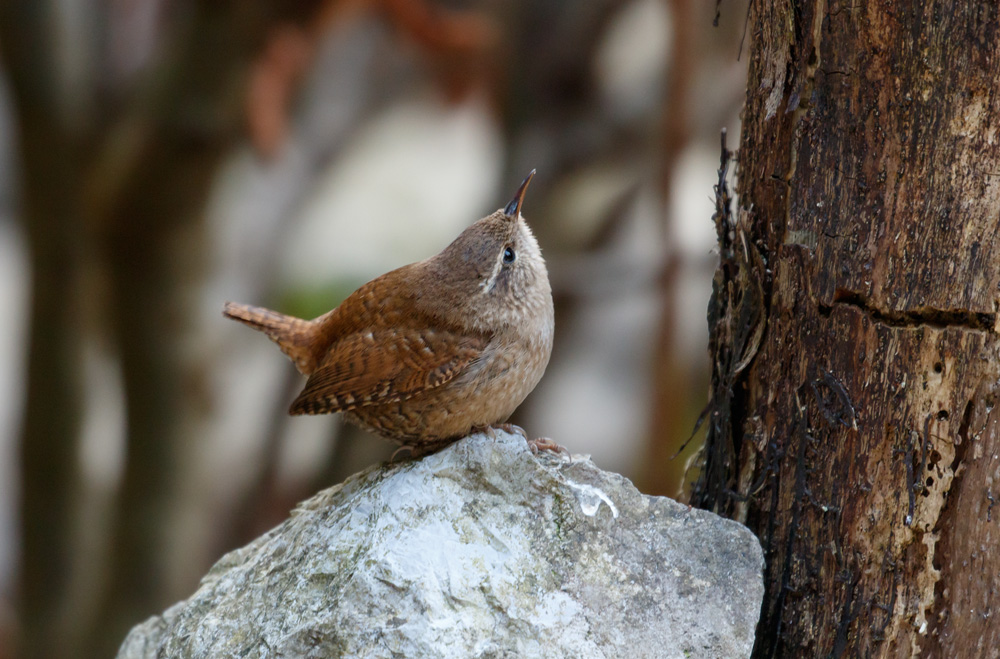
(590, 499)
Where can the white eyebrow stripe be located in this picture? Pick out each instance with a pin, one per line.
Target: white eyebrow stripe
(488, 285)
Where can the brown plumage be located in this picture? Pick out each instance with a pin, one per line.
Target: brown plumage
(428, 352)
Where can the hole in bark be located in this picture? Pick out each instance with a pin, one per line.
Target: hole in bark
(933, 460)
(938, 367)
(942, 415)
(930, 481)
(963, 429)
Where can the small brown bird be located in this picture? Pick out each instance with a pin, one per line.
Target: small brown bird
(434, 350)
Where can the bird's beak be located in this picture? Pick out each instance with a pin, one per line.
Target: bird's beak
(513, 209)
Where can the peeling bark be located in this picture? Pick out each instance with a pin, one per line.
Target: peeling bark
(863, 438)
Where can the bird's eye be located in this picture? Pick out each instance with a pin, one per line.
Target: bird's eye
(509, 255)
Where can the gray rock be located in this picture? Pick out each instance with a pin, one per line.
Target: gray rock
(480, 550)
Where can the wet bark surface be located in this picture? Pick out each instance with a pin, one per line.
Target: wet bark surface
(857, 430)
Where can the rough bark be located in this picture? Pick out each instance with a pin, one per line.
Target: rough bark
(861, 442)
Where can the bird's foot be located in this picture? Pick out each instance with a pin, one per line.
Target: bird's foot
(536, 445)
(512, 429)
(487, 430)
(546, 444)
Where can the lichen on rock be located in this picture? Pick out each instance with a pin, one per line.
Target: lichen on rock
(479, 550)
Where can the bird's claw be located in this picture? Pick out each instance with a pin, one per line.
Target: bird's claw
(546, 444)
(513, 429)
(536, 445)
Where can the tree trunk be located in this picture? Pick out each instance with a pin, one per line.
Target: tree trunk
(49, 469)
(860, 284)
(50, 181)
(116, 179)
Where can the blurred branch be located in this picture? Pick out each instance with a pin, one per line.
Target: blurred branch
(670, 386)
(446, 33)
(676, 110)
(273, 82)
(455, 42)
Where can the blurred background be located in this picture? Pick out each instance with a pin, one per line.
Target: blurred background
(159, 157)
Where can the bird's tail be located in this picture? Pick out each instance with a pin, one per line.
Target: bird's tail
(293, 335)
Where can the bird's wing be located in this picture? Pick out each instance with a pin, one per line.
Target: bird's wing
(385, 366)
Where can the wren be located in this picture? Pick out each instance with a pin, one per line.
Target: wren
(429, 352)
